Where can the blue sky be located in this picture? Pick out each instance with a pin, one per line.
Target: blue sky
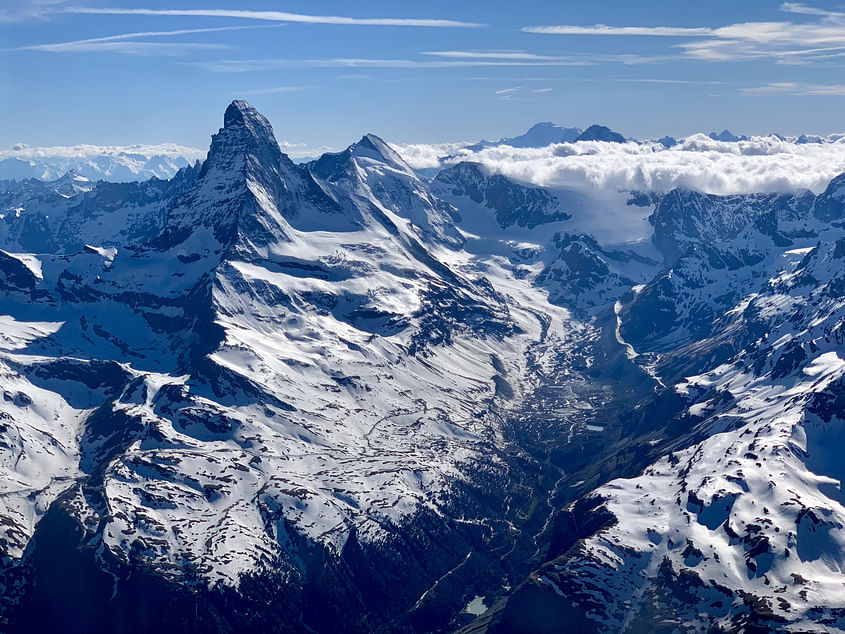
(324, 73)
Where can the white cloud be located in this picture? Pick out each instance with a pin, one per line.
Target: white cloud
(514, 55)
(125, 43)
(779, 40)
(77, 153)
(803, 9)
(798, 89)
(16, 11)
(762, 164)
(253, 65)
(427, 155)
(277, 16)
(651, 80)
(784, 41)
(603, 29)
(148, 49)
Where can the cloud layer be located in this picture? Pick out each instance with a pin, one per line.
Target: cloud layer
(762, 164)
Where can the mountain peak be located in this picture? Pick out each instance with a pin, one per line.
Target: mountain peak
(600, 133)
(727, 136)
(72, 175)
(245, 132)
(335, 165)
(376, 148)
(241, 117)
(543, 126)
(540, 134)
(240, 112)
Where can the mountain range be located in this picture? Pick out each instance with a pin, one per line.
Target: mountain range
(142, 162)
(340, 397)
(113, 164)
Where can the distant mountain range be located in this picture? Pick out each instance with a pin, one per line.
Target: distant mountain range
(114, 164)
(548, 133)
(141, 162)
(538, 135)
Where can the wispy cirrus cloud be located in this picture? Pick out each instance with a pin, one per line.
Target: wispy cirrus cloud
(446, 59)
(10, 16)
(785, 42)
(603, 29)
(502, 55)
(145, 49)
(655, 80)
(17, 11)
(519, 93)
(278, 16)
(128, 43)
(803, 9)
(797, 89)
(525, 58)
(253, 65)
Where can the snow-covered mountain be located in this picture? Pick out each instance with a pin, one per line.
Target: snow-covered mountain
(538, 135)
(727, 136)
(600, 133)
(113, 164)
(740, 525)
(253, 371)
(64, 215)
(335, 396)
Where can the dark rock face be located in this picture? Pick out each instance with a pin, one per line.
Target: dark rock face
(830, 206)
